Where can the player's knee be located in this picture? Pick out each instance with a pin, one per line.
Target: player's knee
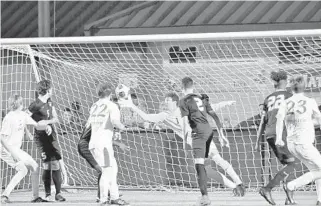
(199, 161)
(34, 166)
(221, 162)
(21, 167)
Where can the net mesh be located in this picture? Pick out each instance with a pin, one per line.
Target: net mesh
(226, 70)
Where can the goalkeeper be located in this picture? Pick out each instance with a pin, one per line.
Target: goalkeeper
(172, 119)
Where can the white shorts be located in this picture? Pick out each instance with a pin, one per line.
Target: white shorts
(307, 154)
(104, 156)
(24, 157)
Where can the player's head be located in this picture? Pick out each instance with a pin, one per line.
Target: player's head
(187, 84)
(134, 99)
(279, 79)
(75, 105)
(171, 100)
(103, 90)
(297, 84)
(114, 98)
(67, 115)
(44, 88)
(15, 102)
(205, 97)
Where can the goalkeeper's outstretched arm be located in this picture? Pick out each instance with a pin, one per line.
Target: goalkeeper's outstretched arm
(155, 118)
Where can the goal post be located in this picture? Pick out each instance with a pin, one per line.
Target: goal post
(226, 66)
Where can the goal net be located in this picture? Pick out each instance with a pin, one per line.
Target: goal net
(225, 66)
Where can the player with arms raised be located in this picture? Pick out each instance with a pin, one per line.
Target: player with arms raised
(12, 132)
(104, 116)
(194, 112)
(43, 112)
(268, 125)
(298, 113)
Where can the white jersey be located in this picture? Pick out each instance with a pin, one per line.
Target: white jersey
(102, 114)
(298, 112)
(13, 127)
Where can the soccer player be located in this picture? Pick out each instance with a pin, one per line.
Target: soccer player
(12, 132)
(194, 112)
(298, 113)
(268, 125)
(104, 116)
(43, 112)
(172, 119)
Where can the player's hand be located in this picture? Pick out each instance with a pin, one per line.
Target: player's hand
(48, 130)
(42, 125)
(30, 136)
(256, 148)
(279, 143)
(123, 147)
(223, 140)
(117, 136)
(230, 103)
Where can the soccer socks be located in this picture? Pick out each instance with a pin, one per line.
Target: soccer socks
(281, 175)
(56, 177)
(202, 178)
(114, 192)
(46, 178)
(22, 172)
(227, 167)
(219, 177)
(98, 191)
(104, 183)
(304, 179)
(35, 183)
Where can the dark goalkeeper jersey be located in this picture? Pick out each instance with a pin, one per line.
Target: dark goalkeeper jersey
(271, 108)
(41, 110)
(196, 110)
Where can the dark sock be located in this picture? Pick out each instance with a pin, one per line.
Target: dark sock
(56, 177)
(202, 178)
(46, 178)
(282, 175)
(99, 176)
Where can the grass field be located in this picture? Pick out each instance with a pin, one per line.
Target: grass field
(151, 198)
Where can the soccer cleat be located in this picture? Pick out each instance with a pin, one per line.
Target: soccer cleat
(118, 202)
(287, 202)
(240, 190)
(5, 199)
(38, 199)
(97, 200)
(49, 198)
(203, 201)
(289, 193)
(59, 198)
(318, 203)
(267, 195)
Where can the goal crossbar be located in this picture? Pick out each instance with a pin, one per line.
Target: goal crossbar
(161, 37)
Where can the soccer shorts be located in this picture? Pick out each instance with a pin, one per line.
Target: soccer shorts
(48, 146)
(201, 145)
(307, 154)
(83, 149)
(24, 157)
(104, 156)
(281, 153)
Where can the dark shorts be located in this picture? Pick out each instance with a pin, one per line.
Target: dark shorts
(281, 153)
(48, 146)
(83, 149)
(201, 144)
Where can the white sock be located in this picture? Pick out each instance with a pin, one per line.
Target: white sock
(228, 183)
(35, 183)
(318, 186)
(21, 173)
(104, 183)
(227, 167)
(304, 179)
(114, 191)
(230, 171)
(219, 177)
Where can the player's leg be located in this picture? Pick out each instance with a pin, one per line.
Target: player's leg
(199, 147)
(102, 157)
(21, 173)
(311, 158)
(318, 188)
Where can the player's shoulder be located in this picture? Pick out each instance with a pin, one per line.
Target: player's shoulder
(35, 104)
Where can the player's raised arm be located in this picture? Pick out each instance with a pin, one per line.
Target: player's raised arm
(280, 123)
(115, 117)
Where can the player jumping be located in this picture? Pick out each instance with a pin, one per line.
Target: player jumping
(298, 113)
(43, 112)
(194, 111)
(267, 124)
(172, 119)
(104, 116)
(12, 132)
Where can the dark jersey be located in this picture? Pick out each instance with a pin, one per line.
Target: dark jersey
(41, 110)
(271, 108)
(196, 110)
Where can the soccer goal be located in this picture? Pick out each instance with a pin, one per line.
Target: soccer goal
(225, 66)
